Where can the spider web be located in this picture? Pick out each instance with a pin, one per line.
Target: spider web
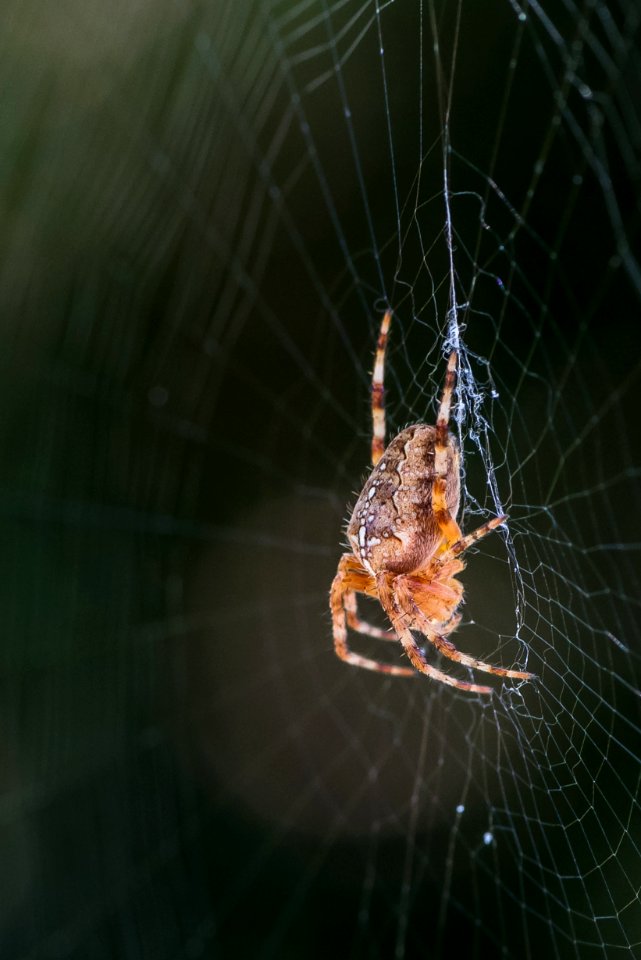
(208, 206)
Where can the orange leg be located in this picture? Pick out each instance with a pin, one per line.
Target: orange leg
(465, 542)
(350, 579)
(436, 590)
(419, 621)
(401, 621)
(360, 582)
(449, 527)
(355, 623)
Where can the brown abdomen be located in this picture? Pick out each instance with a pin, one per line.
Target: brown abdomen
(392, 527)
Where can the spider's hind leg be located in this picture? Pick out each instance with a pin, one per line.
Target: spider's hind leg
(359, 582)
(402, 618)
(348, 581)
(409, 601)
(355, 623)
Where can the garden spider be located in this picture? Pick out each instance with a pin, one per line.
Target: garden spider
(406, 542)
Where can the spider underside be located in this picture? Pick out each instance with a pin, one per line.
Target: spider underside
(407, 546)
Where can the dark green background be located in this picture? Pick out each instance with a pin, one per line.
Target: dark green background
(185, 345)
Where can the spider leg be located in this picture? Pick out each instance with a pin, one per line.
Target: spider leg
(449, 527)
(420, 622)
(355, 623)
(443, 417)
(401, 620)
(465, 542)
(360, 582)
(378, 391)
(352, 578)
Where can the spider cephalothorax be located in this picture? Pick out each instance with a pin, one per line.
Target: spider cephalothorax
(406, 542)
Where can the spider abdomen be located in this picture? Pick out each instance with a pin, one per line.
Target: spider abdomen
(393, 527)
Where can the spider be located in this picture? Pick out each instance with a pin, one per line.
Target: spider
(406, 543)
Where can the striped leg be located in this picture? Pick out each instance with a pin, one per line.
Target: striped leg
(402, 622)
(355, 623)
(449, 527)
(348, 580)
(378, 391)
(419, 621)
(359, 582)
(465, 542)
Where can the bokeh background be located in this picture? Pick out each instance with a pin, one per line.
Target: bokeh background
(206, 206)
